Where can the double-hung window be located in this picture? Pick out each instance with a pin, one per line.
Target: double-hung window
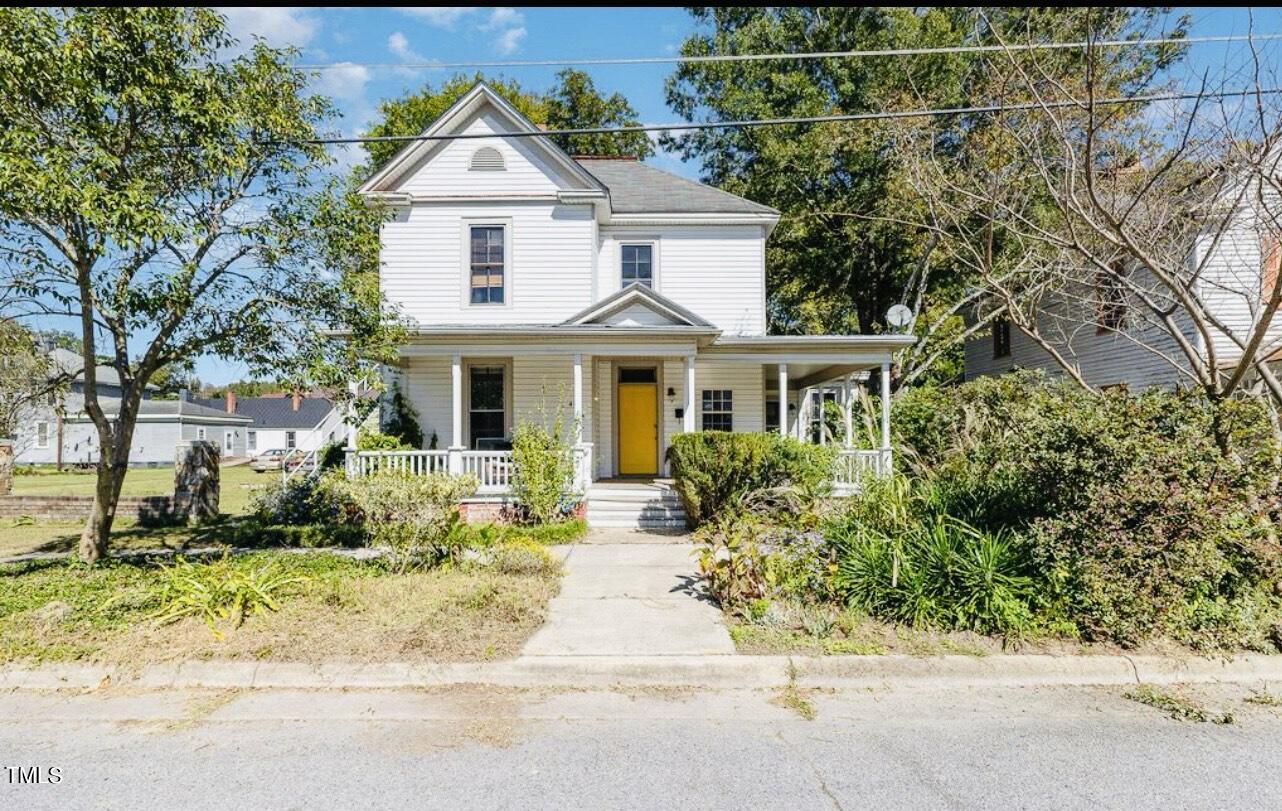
(718, 409)
(487, 263)
(638, 264)
(42, 434)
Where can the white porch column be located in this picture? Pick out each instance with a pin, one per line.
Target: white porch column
(578, 399)
(687, 412)
(850, 411)
(885, 414)
(456, 407)
(783, 400)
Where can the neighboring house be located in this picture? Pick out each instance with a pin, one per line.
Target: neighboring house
(1108, 338)
(284, 422)
(59, 431)
(630, 300)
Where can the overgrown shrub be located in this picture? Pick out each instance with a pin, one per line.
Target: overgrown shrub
(413, 518)
(901, 559)
(543, 471)
(302, 500)
(332, 455)
(712, 470)
(1164, 557)
(367, 440)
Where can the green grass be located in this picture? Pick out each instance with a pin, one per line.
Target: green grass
(238, 484)
(332, 607)
(562, 532)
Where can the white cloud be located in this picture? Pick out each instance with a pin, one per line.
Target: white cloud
(278, 27)
(399, 45)
(344, 80)
(510, 27)
(443, 17)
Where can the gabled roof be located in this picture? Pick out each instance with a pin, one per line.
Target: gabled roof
(390, 174)
(636, 188)
(276, 412)
(71, 364)
(638, 295)
(173, 410)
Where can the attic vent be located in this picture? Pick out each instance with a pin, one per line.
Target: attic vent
(487, 159)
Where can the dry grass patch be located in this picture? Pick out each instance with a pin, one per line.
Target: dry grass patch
(333, 609)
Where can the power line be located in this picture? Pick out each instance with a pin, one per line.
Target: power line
(815, 119)
(857, 54)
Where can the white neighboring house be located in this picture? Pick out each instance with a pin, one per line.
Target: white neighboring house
(285, 422)
(59, 432)
(1096, 331)
(631, 300)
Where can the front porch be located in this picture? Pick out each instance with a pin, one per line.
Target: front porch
(621, 401)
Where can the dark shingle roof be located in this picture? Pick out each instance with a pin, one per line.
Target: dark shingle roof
(276, 412)
(639, 189)
(171, 408)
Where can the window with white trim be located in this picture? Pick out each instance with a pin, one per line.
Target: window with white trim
(42, 434)
(291, 440)
(251, 440)
(638, 264)
(487, 261)
(718, 410)
(201, 433)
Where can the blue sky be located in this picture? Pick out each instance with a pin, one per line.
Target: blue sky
(354, 38)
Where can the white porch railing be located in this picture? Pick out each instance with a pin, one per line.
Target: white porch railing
(854, 467)
(493, 469)
(361, 463)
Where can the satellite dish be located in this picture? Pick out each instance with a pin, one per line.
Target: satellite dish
(899, 316)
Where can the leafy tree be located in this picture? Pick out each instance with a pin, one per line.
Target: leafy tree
(26, 375)
(574, 103)
(163, 195)
(849, 244)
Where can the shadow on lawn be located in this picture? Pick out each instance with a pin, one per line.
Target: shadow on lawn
(171, 538)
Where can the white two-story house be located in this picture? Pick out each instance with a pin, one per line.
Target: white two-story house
(627, 300)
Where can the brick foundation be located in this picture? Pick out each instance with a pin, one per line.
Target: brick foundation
(146, 509)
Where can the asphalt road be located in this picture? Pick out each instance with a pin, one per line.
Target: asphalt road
(484, 748)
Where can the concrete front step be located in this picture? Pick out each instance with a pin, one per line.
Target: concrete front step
(635, 505)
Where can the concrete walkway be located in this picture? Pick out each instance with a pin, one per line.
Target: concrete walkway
(631, 599)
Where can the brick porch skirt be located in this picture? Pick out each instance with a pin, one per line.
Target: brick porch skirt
(73, 508)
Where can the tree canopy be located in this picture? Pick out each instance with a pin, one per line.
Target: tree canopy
(163, 197)
(573, 103)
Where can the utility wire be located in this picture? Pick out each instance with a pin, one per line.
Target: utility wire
(858, 54)
(815, 119)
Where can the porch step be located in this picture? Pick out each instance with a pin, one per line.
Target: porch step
(635, 505)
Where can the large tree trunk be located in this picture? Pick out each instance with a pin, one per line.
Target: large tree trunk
(111, 476)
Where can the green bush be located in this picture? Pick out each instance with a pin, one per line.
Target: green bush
(367, 440)
(543, 472)
(1164, 557)
(413, 518)
(302, 500)
(402, 422)
(900, 559)
(714, 470)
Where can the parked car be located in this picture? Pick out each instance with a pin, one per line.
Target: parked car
(269, 460)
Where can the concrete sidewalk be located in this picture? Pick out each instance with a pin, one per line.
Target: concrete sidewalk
(632, 599)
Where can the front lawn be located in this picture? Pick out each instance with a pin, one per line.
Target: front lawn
(327, 607)
(238, 484)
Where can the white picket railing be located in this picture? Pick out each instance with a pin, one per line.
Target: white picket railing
(422, 463)
(493, 469)
(854, 467)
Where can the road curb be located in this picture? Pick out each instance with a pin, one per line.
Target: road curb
(710, 672)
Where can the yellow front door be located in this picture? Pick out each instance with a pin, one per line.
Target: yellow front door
(638, 429)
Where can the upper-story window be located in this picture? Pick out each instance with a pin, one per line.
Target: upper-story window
(487, 159)
(638, 264)
(1110, 298)
(487, 259)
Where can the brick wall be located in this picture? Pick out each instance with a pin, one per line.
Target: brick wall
(147, 509)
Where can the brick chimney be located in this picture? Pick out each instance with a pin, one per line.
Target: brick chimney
(229, 400)
(298, 398)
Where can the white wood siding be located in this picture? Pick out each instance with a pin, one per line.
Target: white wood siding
(547, 280)
(445, 171)
(742, 378)
(717, 272)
